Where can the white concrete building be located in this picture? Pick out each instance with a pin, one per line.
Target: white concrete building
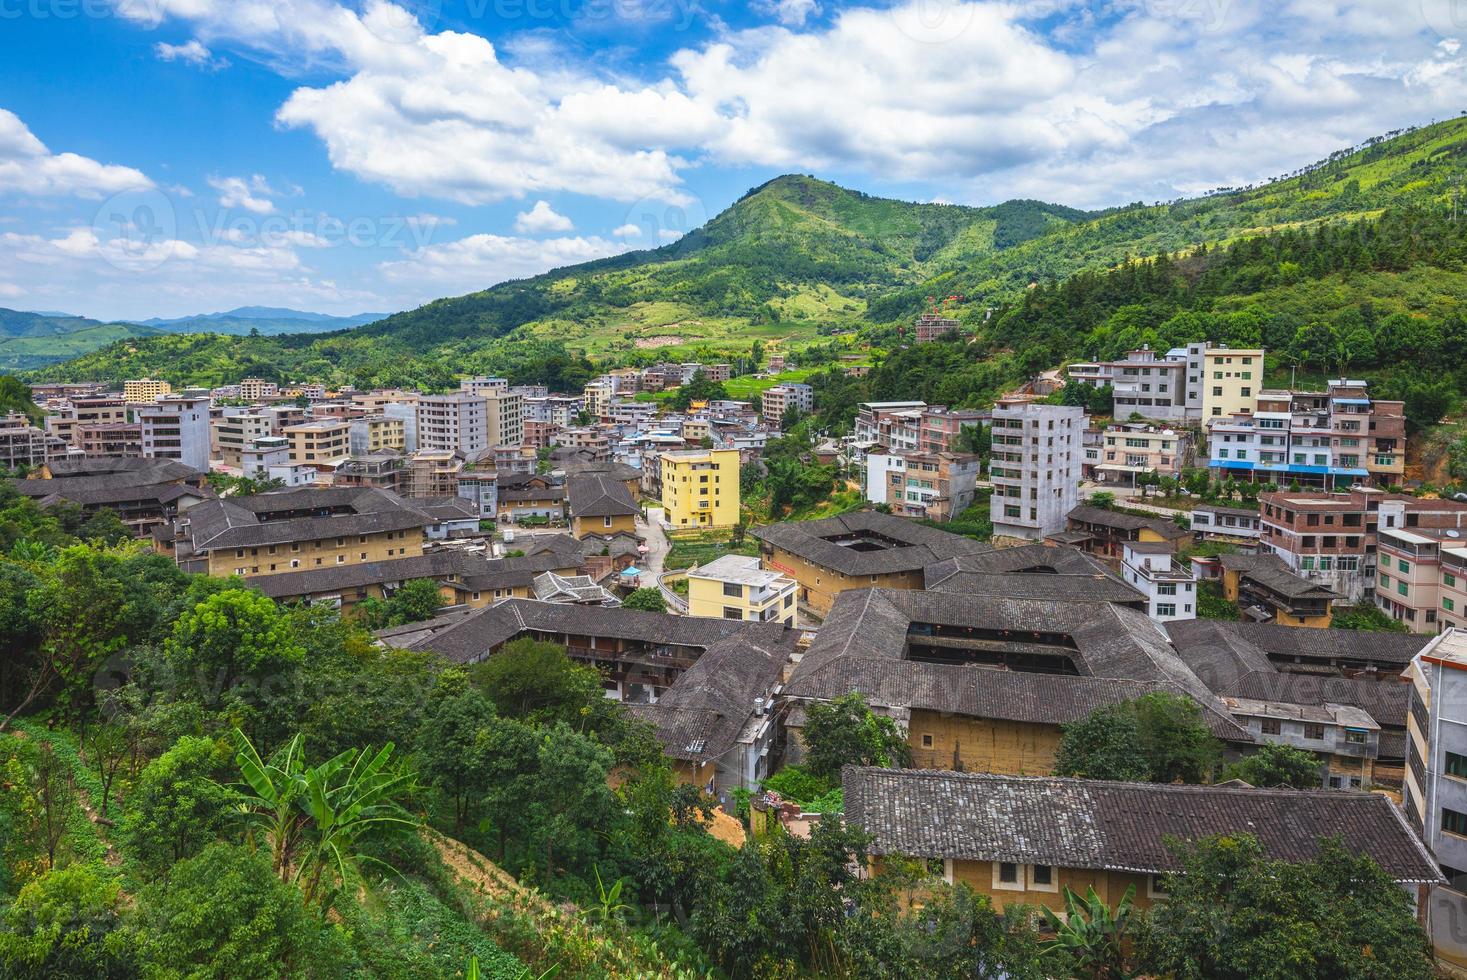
(1035, 469)
(176, 427)
(456, 422)
(1170, 590)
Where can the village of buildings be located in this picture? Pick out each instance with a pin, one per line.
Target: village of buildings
(537, 513)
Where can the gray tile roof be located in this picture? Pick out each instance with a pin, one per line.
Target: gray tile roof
(1271, 572)
(1363, 646)
(600, 496)
(1094, 824)
(478, 635)
(865, 637)
(1121, 521)
(909, 546)
(704, 712)
(313, 514)
(471, 572)
(1032, 572)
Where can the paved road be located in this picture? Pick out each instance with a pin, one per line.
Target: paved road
(654, 562)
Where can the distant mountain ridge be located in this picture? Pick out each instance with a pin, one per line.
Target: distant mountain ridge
(30, 340)
(265, 319)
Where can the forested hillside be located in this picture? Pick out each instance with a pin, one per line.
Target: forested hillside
(804, 263)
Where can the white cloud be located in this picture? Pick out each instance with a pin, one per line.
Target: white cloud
(791, 13)
(28, 167)
(190, 53)
(126, 275)
(252, 194)
(480, 261)
(627, 231)
(540, 219)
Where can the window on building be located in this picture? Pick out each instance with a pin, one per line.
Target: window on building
(1454, 822)
(1008, 872)
(1456, 765)
(1270, 726)
(1166, 608)
(730, 612)
(733, 589)
(927, 741)
(1355, 736)
(1315, 732)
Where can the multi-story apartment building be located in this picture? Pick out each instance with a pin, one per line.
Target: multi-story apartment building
(714, 372)
(735, 587)
(23, 445)
(407, 414)
(1331, 538)
(941, 426)
(540, 434)
(891, 425)
(560, 410)
(1231, 525)
(1152, 569)
(232, 433)
(145, 389)
(382, 471)
(1422, 577)
(176, 427)
(255, 389)
(110, 439)
(1326, 439)
(375, 434)
(268, 458)
(1344, 737)
(782, 397)
(1131, 449)
(597, 396)
(1434, 796)
(700, 488)
(934, 486)
(320, 443)
(930, 326)
(457, 422)
(504, 417)
(91, 410)
(483, 385)
(1035, 467)
(1151, 385)
(1231, 379)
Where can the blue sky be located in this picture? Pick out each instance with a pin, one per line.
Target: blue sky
(166, 157)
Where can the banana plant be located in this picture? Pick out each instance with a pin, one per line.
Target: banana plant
(609, 905)
(314, 817)
(1089, 936)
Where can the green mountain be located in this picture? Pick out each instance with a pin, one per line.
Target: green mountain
(802, 261)
(262, 319)
(33, 340)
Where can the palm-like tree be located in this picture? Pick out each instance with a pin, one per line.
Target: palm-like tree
(313, 818)
(1089, 938)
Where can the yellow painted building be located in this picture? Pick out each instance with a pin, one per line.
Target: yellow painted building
(735, 587)
(700, 488)
(322, 443)
(145, 389)
(376, 433)
(1231, 379)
